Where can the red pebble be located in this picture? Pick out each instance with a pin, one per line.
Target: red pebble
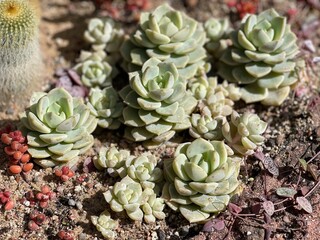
(9, 205)
(32, 225)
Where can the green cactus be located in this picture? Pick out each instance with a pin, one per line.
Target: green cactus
(106, 105)
(113, 160)
(261, 58)
(20, 60)
(105, 224)
(58, 127)
(128, 195)
(201, 178)
(244, 132)
(158, 103)
(95, 69)
(170, 36)
(144, 170)
(104, 34)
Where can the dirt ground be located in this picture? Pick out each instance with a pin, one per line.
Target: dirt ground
(293, 133)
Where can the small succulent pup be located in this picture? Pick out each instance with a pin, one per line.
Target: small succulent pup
(20, 60)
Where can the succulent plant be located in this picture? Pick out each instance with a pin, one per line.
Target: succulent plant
(143, 169)
(104, 34)
(217, 33)
(106, 105)
(20, 60)
(261, 58)
(113, 159)
(201, 178)
(105, 224)
(170, 36)
(128, 195)
(204, 126)
(153, 209)
(95, 69)
(244, 132)
(58, 127)
(158, 103)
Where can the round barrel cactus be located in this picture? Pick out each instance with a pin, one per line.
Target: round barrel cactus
(158, 104)
(170, 36)
(201, 178)
(261, 58)
(106, 105)
(244, 132)
(58, 127)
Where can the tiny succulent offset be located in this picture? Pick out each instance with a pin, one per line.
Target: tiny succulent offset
(201, 178)
(244, 132)
(58, 127)
(261, 58)
(106, 105)
(170, 36)
(158, 104)
(105, 224)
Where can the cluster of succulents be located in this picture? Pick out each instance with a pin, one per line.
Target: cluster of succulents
(261, 58)
(58, 128)
(36, 220)
(65, 173)
(41, 197)
(6, 201)
(105, 224)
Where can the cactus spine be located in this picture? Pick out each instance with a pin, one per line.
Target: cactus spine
(19, 45)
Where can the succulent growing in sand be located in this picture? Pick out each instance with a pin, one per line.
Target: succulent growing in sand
(170, 36)
(105, 224)
(58, 127)
(158, 103)
(244, 132)
(20, 61)
(201, 178)
(106, 105)
(204, 126)
(261, 58)
(153, 209)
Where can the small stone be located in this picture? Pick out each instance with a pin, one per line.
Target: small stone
(249, 233)
(154, 236)
(77, 188)
(79, 205)
(161, 234)
(71, 202)
(82, 236)
(183, 231)
(26, 203)
(9, 111)
(286, 219)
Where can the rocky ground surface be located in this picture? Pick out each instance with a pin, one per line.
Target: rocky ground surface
(293, 133)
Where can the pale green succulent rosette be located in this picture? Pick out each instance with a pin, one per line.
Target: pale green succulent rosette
(244, 132)
(106, 105)
(105, 224)
(261, 58)
(201, 178)
(113, 160)
(158, 104)
(204, 126)
(144, 170)
(129, 195)
(153, 209)
(95, 69)
(217, 33)
(104, 34)
(58, 127)
(170, 36)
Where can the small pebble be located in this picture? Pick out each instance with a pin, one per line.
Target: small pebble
(286, 219)
(79, 205)
(82, 236)
(249, 233)
(77, 188)
(26, 203)
(161, 234)
(71, 202)
(154, 236)
(183, 231)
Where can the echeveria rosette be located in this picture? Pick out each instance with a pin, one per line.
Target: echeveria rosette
(104, 34)
(95, 69)
(107, 106)
(105, 224)
(201, 178)
(261, 58)
(128, 195)
(58, 127)
(113, 160)
(204, 126)
(158, 104)
(170, 36)
(153, 209)
(244, 132)
(217, 31)
(144, 169)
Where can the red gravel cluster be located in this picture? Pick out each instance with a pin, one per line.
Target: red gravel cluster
(16, 150)
(244, 7)
(65, 235)
(65, 173)
(41, 197)
(36, 220)
(6, 201)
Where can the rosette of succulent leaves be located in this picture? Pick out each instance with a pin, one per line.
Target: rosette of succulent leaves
(261, 58)
(105, 224)
(201, 179)
(58, 128)
(139, 203)
(158, 104)
(169, 36)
